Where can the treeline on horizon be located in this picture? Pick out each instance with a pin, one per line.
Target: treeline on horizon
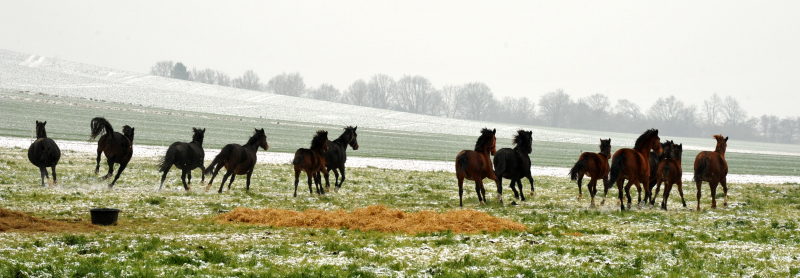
(476, 101)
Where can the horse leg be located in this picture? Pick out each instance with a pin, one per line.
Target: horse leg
(55, 181)
(619, 187)
(680, 190)
(723, 182)
(213, 175)
(628, 193)
(667, 189)
(233, 177)
(639, 193)
(327, 183)
(530, 179)
(202, 175)
(319, 181)
(296, 180)
(714, 194)
(183, 178)
(499, 188)
(339, 184)
(580, 191)
(460, 191)
(519, 185)
(310, 190)
(110, 169)
(500, 181)
(318, 184)
(43, 172)
(249, 173)
(97, 168)
(189, 179)
(605, 189)
(481, 191)
(121, 168)
(224, 179)
(655, 193)
(592, 186)
(164, 177)
(699, 186)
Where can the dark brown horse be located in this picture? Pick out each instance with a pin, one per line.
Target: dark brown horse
(336, 156)
(634, 165)
(515, 164)
(237, 160)
(477, 165)
(670, 172)
(185, 156)
(712, 168)
(118, 147)
(655, 160)
(44, 153)
(594, 165)
(312, 161)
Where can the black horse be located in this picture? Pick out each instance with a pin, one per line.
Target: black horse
(655, 160)
(312, 161)
(515, 164)
(185, 156)
(336, 156)
(237, 159)
(118, 147)
(44, 153)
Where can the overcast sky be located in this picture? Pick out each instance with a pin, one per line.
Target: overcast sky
(637, 50)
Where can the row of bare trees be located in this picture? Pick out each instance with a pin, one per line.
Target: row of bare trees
(476, 101)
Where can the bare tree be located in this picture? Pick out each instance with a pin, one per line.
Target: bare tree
(290, 84)
(163, 68)
(479, 102)
(516, 110)
(180, 72)
(733, 112)
(222, 79)
(628, 110)
(666, 110)
(554, 108)
(248, 81)
(325, 92)
(380, 88)
(207, 76)
(451, 99)
(414, 94)
(356, 94)
(592, 112)
(712, 108)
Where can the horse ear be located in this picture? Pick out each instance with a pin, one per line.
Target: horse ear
(726, 139)
(494, 130)
(45, 122)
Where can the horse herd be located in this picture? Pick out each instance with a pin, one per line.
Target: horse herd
(649, 163)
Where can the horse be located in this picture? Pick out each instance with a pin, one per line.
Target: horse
(237, 160)
(594, 165)
(185, 156)
(43, 153)
(118, 147)
(336, 156)
(655, 160)
(515, 164)
(312, 161)
(476, 166)
(634, 165)
(670, 172)
(712, 168)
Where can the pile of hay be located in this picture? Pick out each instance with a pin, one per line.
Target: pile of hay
(12, 221)
(374, 218)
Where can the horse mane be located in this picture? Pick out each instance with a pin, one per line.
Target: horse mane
(128, 132)
(319, 141)
(605, 149)
(40, 131)
(720, 138)
(198, 135)
(253, 141)
(523, 141)
(486, 136)
(346, 136)
(646, 136)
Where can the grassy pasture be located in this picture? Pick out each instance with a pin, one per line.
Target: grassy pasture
(68, 118)
(173, 233)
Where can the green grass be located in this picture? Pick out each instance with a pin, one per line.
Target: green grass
(68, 119)
(172, 232)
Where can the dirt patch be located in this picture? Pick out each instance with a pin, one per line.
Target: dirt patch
(374, 218)
(12, 221)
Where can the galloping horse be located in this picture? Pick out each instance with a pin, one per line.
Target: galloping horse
(655, 160)
(117, 147)
(44, 153)
(594, 165)
(634, 165)
(336, 156)
(476, 166)
(185, 156)
(237, 160)
(312, 161)
(670, 172)
(713, 168)
(515, 164)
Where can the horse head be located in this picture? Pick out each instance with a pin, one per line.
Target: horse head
(605, 147)
(649, 140)
(261, 139)
(523, 141)
(199, 134)
(487, 141)
(40, 131)
(320, 141)
(353, 142)
(128, 132)
(677, 151)
(722, 144)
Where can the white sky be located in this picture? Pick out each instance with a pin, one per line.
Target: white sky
(637, 50)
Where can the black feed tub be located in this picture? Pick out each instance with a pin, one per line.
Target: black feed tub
(104, 216)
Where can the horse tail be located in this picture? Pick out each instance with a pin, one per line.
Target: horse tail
(702, 168)
(617, 166)
(100, 125)
(578, 169)
(168, 159)
(221, 156)
(298, 158)
(461, 164)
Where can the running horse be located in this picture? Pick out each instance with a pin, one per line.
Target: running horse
(634, 165)
(237, 160)
(43, 153)
(336, 156)
(312, 161)
(476, 165)
(515, 164)
(595, 166)
(118, 147)
(185, 156)
(712, 167)
(670, 173)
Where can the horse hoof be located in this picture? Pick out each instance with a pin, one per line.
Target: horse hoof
(327, 189)
(513, 203)
(336, 189)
